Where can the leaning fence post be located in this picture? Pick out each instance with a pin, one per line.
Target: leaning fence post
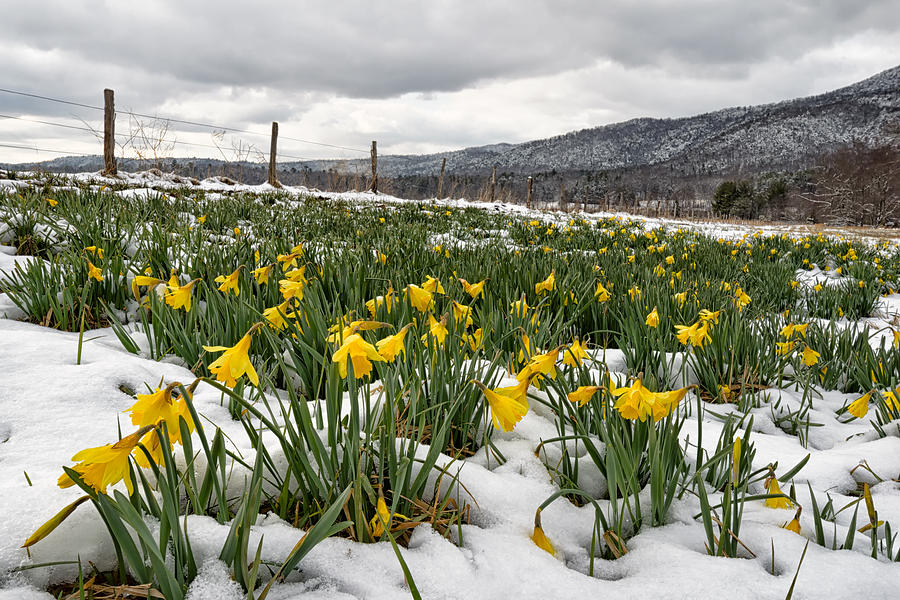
(109, 133)
(374, 187)
(528, 198)
(273, 179)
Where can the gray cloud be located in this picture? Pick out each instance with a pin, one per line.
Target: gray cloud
(439, 68)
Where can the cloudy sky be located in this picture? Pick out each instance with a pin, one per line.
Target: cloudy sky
(418, 76)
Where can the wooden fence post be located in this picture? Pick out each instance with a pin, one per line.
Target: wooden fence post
(374, 187)
(440, 193)
(273, 178)
(494, 183)
(109, 133)
(528, 198)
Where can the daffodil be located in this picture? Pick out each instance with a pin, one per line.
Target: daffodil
(773, 489)
(741, 299)
(235, 361)
(583, 394)
(708, 315)
(383, 518)
(637, 402)
(520, 307)
(547, 285)
(473, 289)
(540, 365)
(794, 524)
(508, 404)
(262, 274)
(339, 332)
(420, 298)
(387, 301)
(276, 316)
(390, 347)
(436, 329)
(230, 282)
(94, 272)
(106, 465)
(859, 407)
(462, 313)
(52, 202)
(810, 356)
(574, 354)
(143, 280)
(696, 334)
(652, 318)
(288, 260)
(474, 339)
(98, 252)
(433, 285)
(297, 275)
(291, 289)
(539, 537)
(179, 296)
(601, 294)
(360, 352)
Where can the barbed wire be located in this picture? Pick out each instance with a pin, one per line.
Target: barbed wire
(181, 121)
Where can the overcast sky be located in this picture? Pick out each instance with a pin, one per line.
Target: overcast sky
(419, 76)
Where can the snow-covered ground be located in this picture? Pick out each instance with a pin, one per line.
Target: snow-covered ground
(53, 407)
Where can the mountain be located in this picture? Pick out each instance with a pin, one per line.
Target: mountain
(782, 136)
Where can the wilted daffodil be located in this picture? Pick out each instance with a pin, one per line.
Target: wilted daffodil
(94, 272)
(143, 280)
(179, 296)
(235, 361)
(390, 347)
(383, 518)
(540, 365)
(230, 282)
(519, 307)
(652, 318)
(360, 352)
(106, 465)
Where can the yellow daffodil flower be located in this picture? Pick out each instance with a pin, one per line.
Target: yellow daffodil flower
(652, 318)
(420, 298)
(508, 404)
(106, 465)
(360, 352)
(574, 354)
(547, 285)
(583, 394)
(473, 289)
(230, 282)
(390, 347)
(235, 361)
